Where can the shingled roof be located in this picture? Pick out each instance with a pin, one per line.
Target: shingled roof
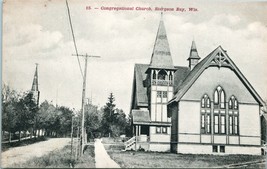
(193, 52)
(140, 91)
(139, 94)
(140, 116)
(161, 55)
(201, 66)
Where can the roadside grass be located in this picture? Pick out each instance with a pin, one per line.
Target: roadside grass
(88, 159)
(6, 146)
(132, 159)
(61, 159)
(110, 140)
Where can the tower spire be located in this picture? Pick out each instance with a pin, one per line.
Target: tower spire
(35, 79)
(161, 55)
(35, 91)
(193, 56)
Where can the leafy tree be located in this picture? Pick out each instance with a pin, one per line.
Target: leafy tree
(46, 117)
(26, 109)
(92, 120)
(9, 99)
(64, 121)
(55, 121)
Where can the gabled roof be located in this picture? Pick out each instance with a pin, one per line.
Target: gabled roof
(139, 93)
(218, 57)
(265, 116)
(193, 52)
(161, 55)
(179, 76)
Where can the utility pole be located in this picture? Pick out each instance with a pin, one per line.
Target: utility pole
(83, 99)
(71, 136)
(78, 143)
(71, 147)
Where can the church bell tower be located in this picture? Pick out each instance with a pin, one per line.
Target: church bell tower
(160, 75)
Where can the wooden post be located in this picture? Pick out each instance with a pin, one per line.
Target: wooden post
(78, 143)
(136, 130)
(83, 100)
(71, 135)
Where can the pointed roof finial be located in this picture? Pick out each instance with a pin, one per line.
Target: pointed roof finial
(161, 56)
(193, 51)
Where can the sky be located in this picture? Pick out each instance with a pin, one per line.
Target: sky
(38, 31)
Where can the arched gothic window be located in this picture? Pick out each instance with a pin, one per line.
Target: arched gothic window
(162, 75)
(205, 115)
(219, 97)
(219, 112)
(216, 97)
(233, 116)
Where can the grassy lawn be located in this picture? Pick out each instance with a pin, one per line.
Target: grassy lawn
(131, 159)
(61, 159)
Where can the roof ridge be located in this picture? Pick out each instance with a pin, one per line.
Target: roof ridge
(200, 67)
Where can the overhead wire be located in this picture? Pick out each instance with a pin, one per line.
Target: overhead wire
(74, 41)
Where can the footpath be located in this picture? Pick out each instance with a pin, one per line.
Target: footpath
(102, 159)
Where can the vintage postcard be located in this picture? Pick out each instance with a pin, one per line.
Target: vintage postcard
(134, 84)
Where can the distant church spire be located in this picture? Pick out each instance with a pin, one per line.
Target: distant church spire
(161, 55)
(35, 91)
(193, 57)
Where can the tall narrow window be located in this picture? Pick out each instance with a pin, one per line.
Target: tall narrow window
(216, 97)
(170, 76)
(208, 102)
(164, 94)
(159, 94)
(222, 99)
(233, 116)
(205, 115)
(230, 104)
(154, 74)
(219, 111)
(203, 102)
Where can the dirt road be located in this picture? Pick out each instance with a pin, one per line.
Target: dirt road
(24, 153)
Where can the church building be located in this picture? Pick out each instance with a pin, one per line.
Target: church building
(207, 107)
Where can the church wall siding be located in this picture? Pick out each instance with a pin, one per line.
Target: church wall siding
(206, 138)
(219, 139)
(249, 120)
(234, 139)
(189, 117)
(207, 149)
(160, 138)
(225, 77)
(173, 112)
(153, 114)
(190, 140)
